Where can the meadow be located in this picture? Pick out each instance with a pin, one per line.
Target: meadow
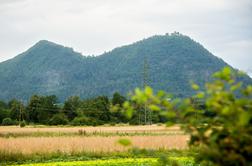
(33, 144)
(42, 130)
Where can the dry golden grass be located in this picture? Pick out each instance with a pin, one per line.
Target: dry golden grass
(102, 129)
(77, 144)
(74, 143)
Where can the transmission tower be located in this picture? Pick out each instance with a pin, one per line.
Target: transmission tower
(145, 73)
(147, 113)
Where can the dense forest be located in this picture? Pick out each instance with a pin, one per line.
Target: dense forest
(167, 62)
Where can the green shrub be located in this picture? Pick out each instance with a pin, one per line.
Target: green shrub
(7, 122)
(94, 122)
(112, 124)
(218, 118)
(58, 119)
(22, 124)
(77, 121)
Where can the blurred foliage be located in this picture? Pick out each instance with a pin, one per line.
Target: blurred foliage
(124, 142)
(218, 118)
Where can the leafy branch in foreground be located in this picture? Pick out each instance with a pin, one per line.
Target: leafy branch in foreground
(218, 118)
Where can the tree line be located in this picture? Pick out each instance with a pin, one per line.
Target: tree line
(74, 111)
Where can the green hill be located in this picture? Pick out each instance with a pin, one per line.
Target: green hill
(48, 68)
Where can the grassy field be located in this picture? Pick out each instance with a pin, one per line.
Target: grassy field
(183, 161)
(33, 131)
(41, 144)
(29, 145)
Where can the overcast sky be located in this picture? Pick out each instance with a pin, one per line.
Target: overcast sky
(91, 27)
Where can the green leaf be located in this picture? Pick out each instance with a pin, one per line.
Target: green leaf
(129, 113)
(200, 95)
(138, 92)
(226, 71)
(161, 93)
(148, 91)
(126, 104)
(244, 118)
(195, 86)
(154, 107)
(171, 114)
(124, 142)
(225, 111)
(236, 86)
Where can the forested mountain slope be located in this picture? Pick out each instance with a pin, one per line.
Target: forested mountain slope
(171, 62)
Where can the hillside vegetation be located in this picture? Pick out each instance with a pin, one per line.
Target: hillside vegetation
(171, 61)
